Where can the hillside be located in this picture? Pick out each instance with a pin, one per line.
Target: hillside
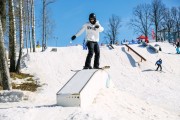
(137, 92)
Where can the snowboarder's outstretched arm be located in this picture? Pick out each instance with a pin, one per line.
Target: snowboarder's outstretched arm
(81, 30)
(79, 33)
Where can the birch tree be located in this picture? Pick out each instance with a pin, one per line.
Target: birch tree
(44, 29)
(3, 14)
(29, 24)
(21, 36)
(33, 25)
(4, 70)
(12, 37)
(25, 19)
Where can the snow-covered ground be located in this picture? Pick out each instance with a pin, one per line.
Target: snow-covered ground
(138, 93)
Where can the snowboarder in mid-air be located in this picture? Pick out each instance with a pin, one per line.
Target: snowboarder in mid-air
(92, 28)
(158, 63)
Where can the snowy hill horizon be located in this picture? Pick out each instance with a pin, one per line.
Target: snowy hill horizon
(137, 91)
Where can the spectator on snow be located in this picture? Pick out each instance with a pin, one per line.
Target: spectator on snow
(160, 48)
(158, 63)
(92, 28)
(178, 46)
(44, 46)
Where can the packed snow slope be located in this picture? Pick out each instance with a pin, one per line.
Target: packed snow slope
(137, 92)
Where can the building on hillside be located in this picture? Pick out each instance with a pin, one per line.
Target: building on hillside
(168, 35)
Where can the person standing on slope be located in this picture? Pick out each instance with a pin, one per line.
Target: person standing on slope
(178, 46)
(92, 28)
(158, 63)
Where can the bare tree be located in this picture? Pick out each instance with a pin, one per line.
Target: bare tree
(26, 20)
(49, 27)
(167, 22)
(157, 15)
(176, 18)
(29, 24)
(21, 36)
(44, 37)
(12, 37)
(33, 25)
(141, 22)
(113, 29)
(4, 70)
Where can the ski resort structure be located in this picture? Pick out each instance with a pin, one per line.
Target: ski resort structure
(82, 88)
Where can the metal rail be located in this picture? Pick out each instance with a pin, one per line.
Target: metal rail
(142, 58)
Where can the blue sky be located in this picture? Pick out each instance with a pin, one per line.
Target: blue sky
(70, 15)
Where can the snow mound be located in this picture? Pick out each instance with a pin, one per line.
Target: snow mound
(139, 92)
(11, 96)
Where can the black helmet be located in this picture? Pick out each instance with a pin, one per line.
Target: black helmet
(92, 15)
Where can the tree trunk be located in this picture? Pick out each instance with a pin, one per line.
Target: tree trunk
(21, 37)
(4, 70)
(12, 37)
(26, 38)
(45, 29)
(3, 14)
(29, 29)
(43, 34)
(169, 35)
(156, 31)
(33, 25)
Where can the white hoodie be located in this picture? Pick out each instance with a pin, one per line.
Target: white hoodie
(92, 33)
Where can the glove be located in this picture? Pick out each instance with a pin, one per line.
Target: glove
(73, 37)
(97, 26)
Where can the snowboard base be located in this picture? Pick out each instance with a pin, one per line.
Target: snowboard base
(105, 67)
(159, 71)
(102, 68)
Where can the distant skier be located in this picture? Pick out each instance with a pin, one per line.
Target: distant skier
(158, 63)
(92, 28)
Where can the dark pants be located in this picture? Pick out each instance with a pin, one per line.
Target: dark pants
(93, 47)
(158, 67)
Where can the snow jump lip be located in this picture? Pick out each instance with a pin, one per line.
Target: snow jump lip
(82, 88)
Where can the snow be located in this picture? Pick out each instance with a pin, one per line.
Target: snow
(11, 96)
(138, 92)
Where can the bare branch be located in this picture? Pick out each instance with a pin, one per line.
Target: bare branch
(114, 25)
(141, 22)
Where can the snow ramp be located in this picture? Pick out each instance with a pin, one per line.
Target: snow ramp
(82, 88)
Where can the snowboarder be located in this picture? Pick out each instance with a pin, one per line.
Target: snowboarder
(92, 28)
(158, 63)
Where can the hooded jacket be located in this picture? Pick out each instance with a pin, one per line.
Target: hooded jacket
(92, 33)
(159, 62)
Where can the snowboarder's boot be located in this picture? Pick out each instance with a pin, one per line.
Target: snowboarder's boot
(85, 67)
(96, 67)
